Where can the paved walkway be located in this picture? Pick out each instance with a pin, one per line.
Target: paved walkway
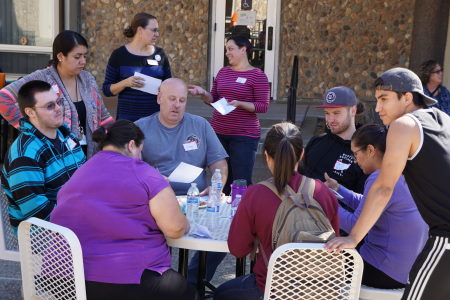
(306, 117)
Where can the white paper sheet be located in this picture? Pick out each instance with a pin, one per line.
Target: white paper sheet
(185, 173)
(222, 106)
(151, 84)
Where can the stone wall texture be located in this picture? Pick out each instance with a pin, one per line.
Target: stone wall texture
(339, 42)
(343, 42)
(183, 25)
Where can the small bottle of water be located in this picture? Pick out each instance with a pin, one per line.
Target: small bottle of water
(235, 204)
(193, 200)
(215, 192)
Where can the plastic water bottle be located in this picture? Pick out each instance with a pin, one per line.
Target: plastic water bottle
(215, 192)
(193, 200)
(235, 204)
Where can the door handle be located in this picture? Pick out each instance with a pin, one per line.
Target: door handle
(270, 38)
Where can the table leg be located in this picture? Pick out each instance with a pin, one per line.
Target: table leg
(201, 274)
(183, 256)
(240, 266)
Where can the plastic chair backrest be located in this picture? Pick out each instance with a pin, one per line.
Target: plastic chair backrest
(9, 249)
(306, 271)
(51, 261)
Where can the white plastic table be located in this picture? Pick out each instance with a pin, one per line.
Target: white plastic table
(218, 227)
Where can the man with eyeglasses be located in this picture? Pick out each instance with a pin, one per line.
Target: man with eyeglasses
(42, 158)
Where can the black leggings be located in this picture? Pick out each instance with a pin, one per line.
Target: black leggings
(168, 286)
(377, 279)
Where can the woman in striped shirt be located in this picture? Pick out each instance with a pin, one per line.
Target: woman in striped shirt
(246, 88)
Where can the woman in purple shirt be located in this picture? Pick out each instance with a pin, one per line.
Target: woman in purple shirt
(121, 208)
(392, 245)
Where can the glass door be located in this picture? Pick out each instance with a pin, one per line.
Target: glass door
(255, 20)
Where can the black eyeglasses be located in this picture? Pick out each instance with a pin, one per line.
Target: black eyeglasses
(52, 105)
(437, 71)
(355, 153)
(155, 30)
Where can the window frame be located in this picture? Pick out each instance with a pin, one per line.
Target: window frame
(38, 49)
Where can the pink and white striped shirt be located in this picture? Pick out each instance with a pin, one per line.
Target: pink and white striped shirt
(249, 86)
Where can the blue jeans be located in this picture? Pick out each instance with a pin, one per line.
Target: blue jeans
(213, 260)
(242, 288)
(242, 153)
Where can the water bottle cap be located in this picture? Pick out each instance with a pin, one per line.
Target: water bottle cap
(194, 184)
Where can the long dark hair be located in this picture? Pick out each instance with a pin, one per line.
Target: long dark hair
(370, 134)
(284, 145)
(65, 42)
(118, 134)
(139, 20)
(425, 70)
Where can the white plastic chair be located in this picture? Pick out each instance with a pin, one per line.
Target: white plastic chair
(369, 293)
(51, 261)
(306, 271)
(9, 249)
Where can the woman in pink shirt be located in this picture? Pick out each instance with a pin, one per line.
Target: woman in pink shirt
(246, 88)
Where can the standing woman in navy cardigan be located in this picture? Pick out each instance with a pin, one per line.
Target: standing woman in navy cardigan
(246, 88)
(140, 55)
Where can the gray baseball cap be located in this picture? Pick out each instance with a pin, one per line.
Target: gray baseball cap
(403, 80)
(339, 96)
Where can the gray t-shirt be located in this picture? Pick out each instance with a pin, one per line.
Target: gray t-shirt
(193, 141)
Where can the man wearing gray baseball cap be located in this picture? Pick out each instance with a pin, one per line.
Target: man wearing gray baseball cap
(418, 145)
(331, 152)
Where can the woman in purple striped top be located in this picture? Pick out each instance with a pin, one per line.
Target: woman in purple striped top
(246, 88)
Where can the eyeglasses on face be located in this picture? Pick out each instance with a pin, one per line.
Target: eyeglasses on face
(355, 154)
(52, 105)
(155, 30)
(437, 71)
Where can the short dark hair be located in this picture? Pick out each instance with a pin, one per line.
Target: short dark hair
(25, 97)
(284, 145)
(241, 41)
(370, 134)
(417, 98)
(425, 70)
(118, 134)
(139, 20)
(65, 42)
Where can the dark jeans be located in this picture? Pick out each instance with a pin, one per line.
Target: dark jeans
(242, 288)
(213, 260)
(373, 277)
(242, 152)
(168, 286)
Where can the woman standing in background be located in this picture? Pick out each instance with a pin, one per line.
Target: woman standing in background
(140, 55)
(83, 107)
(246, 88)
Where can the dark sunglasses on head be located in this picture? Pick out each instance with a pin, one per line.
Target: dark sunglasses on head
(52, 105)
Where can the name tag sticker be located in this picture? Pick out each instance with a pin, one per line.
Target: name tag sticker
(152, 62)
(190, 146)
(241, 80)
(71, 143)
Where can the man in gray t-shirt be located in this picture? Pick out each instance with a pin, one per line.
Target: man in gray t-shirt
(173, 136)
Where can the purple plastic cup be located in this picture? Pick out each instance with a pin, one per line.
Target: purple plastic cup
(238, 187)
